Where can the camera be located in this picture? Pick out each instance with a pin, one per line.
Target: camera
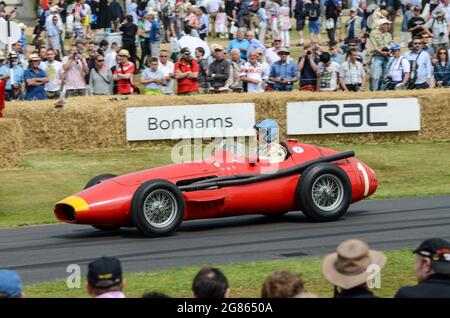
(308, 52)
(441, 34)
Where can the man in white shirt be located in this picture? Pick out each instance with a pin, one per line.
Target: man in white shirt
(352, 74)
(421, 68)
(54, 71)
(398, 70)
(111, 56)
(212, 7)
(272, 53)
(167, 68)
(253, 74)
(327, 74)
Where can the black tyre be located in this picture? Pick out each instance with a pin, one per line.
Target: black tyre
(324, 192)
(106, 227)
(157, 208)
(98, 179)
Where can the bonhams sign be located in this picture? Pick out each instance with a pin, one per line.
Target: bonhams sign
(190, 121)
(353, 116)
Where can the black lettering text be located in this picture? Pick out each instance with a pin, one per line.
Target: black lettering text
(327, 115)
(369, 121)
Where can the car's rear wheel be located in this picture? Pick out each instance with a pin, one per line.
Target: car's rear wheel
(324, 192)
(157, 208)
(98, 179)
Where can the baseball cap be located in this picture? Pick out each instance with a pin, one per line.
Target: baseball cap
(395, 47)
(185, 50)
(438, 251)
(10, 284)
(105, 272)
(219, 47)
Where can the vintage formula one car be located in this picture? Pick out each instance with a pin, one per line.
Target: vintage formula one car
(318, 181)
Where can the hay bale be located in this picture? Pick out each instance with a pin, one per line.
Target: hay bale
(98, 122)
(10, 143)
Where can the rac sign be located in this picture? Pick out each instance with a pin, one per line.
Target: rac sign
(353, 116)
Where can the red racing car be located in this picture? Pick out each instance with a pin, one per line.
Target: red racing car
(319, 182)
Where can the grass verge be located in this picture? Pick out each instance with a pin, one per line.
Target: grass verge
(245, 279)
(28, 193)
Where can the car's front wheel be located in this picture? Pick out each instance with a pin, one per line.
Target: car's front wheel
(157, 208)
(324, 192)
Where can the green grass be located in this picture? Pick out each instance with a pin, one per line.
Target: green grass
(28, 193)
(245, 279)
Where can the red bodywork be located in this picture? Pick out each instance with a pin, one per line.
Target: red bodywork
(109, 201)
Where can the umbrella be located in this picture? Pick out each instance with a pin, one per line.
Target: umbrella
(192, 43)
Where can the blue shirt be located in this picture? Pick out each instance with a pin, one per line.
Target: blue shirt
(255, 44)
(424, 67)
(155, 32)
(18, 73)
(236, 44)
(286, 71)
(53, 32)
(34, 92)
(23, 41)
(442, 73)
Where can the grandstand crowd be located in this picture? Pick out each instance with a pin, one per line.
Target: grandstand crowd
(350, 270)
(106, 47)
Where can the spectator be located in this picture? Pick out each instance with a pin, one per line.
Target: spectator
(416, 24)
(355, 26)
(285, 23)
(440, 30)
(144, 39)
(262, 22)
(347, 269)
(10, 284)
(253, 43)
(90, 60)
(352, 74)
(186, 73)
(399, 70)
(379, 42)
(421, 68)
(283, 73)
(210, 283)
(405, 35)
(101, 78)
(272, 53)
(55, 73)
(443, 5)
(111, 56)
(425, 44)
(155, 34)
(192, 22)
(43, 53)
(219, 70)
(129, 31)
(307, 67)
(282, 284)
(442, 68)
(202, 69)
(265, 66)
(300, 17)
(335, 55)
(23, 38)
(312, 11)
(103, 48)
(239, 43)
(123, 74)
(332, 12)
(235, 82)
(167, 68)
(432, 271)
(253, 74)
(15, 91)
(212, 7)
(75, 69)
(105, 278)
(204, 23)
(176, 24)
(35, 79)
(327, 74)
(153, 79)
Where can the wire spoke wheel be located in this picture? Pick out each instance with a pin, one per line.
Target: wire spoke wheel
(327, 192)
(160, 208)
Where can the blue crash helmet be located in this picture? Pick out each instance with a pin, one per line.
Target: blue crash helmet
(270, 129)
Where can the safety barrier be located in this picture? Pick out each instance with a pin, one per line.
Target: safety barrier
(98, 122)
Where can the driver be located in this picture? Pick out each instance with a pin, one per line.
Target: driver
(267, 132)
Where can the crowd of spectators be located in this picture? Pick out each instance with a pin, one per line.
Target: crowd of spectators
(66, 58)
(353, 271)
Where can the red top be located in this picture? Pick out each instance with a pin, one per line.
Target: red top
(187, 84)
(124, 86)
(44, 4)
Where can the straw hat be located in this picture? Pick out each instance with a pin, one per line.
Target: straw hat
(124, 52)
(347, 268)
(34, 57)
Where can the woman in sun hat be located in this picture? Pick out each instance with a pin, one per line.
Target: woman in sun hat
(351, 269)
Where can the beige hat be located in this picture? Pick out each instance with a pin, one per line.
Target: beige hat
(124, 52)
(34, 57)
(383, 21)
(55, 8)
(12, 54)
(22, 26)
(347, 268)
(218, 47)
(283, 50)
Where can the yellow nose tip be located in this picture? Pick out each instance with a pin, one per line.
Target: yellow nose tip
(78, 204)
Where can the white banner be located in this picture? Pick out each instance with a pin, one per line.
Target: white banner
(190, 121)
(353, 116)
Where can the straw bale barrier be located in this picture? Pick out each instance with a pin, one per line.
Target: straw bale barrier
(10, 143)
(97, 122)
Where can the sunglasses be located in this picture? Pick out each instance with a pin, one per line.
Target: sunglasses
(283, 53)
(163, 56)
(442, 53)
(418, 43)
(277, 41)
(100, 61)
